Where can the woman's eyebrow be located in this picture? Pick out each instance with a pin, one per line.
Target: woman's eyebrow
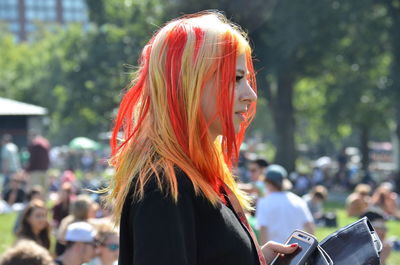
(240, 71)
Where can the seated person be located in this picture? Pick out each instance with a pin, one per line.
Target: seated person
(302, 184)
(358, 202)
(35, 224)
(378, 221)
(108, 245)
(26, 252)
(36, 193)
(315, 199)
(61, 208)
(80, 238)
(385, 199)
(81, 210)
(256, 169)
(14, 193)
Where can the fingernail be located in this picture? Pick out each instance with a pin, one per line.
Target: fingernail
(293, 245)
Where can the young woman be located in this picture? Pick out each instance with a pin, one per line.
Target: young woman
(35, 224)
(183, 120)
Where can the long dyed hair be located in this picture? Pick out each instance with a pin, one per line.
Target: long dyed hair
(161, 119)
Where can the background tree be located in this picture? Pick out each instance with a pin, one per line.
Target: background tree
(393, 11)
(355, 94)
(290, 39)
(78, 73)
(322, 68)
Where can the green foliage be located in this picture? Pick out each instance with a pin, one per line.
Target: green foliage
(310, 100)
(356, 100)
(325, 68)
(78, 73)
(261, 126)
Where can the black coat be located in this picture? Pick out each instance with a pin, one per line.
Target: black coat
(157, 231)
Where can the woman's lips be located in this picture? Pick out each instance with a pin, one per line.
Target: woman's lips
(241, 115)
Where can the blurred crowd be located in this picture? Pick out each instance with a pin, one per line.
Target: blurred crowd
(60, 220)
(284, 202)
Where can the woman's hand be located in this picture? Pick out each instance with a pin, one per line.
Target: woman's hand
(271, 249)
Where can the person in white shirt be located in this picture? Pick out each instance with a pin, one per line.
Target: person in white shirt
(10, 163)
(281, 211)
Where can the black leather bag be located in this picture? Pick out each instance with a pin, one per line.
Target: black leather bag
(319, 257)
(354, 244)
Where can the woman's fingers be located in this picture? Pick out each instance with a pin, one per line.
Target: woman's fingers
(271, 249)
(280, 248)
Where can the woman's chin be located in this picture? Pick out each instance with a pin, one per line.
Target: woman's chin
(237, 127)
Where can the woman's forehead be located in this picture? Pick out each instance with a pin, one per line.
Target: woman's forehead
(241, 66)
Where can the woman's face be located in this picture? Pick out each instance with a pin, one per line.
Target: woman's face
(38, 220)
(109, 251)
(244, 95)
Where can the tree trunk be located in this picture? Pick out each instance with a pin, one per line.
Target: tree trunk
(396, 82)
(283, 114)
(394, 12)
(364, 139)
(396, 149)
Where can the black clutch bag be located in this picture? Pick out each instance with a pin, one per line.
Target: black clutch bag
(354, 244)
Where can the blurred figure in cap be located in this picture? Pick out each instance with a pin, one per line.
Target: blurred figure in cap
(281, 211)
(277, 176)
(81, 244)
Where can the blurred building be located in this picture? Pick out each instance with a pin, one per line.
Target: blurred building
(18, 119)
(24, 17)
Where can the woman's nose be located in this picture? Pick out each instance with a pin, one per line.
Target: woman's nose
(247, 93)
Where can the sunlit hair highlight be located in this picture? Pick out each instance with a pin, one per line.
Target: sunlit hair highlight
(161, 118)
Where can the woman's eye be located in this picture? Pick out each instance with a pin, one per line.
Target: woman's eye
(238, 78)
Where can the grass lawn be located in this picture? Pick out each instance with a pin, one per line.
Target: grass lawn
(7, 238)
(6, 226)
